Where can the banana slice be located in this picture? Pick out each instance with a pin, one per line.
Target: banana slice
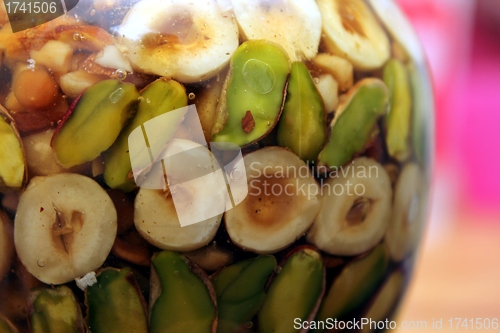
(294, 24)
(356, 209)
(281, 204)
(6, 244)
(405, 227)
(64, 228)
(352, 32)
(187, 216)
(188, 41)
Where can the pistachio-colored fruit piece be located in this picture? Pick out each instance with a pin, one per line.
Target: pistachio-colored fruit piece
(295, 292)
(6, 326)
(302, 124)
(422, 128)
(55, 310)
(397, 122)
(355, 284)
(252, 99)
(12, 159)
(182, 297)
(386, 299)
(159, 97)
(354, 122)
(240, 291)
(115, 303)
(94, 122)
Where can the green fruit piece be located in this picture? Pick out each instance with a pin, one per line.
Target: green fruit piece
(302, 124)
(115, 304)
(158, 98)
(294, 293)
(422, 116)
(397, 122)
(240, 291)
(94, 122)
(6, 326)
(12, 161)
(55, 311)
(355, 284)
(182, 297)
(353, 126)
(252, 99)
(386, 299)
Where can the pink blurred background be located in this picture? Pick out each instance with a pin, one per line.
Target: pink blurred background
(458, 272)
(462, 42)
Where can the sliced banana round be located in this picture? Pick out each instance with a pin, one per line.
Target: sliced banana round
(6, 244)
(187, 215)
(293, 24)
(187, 40)
(405, 225)
(356, 209)
(352, 32)
(281, 204)
(64, 228)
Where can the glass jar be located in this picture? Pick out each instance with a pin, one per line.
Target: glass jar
(209, 166)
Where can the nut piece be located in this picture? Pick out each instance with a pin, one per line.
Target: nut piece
(240, 291)
(109, 314)
(64, 228)
(302, 125)
(94, 122)
(276, 211)
(354, 123)
(256, 82)
(182, 297)
(355, 284)
(54, 310)
(356, 209)
(158, 98)
(295, 292)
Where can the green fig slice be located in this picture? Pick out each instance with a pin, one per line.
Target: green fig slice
(182, 297)
(159, 97)
(353, 126)
(12, 157)
(386, 300)
(355, 284)
(253, 93)
(6, 326)
(94, 122)
(398, 120)
(302, 124)
(240, 290)
(55, 310)
(115, 303)
(295, 292)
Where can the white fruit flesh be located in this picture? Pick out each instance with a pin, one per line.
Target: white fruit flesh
(281, 204)
(188, 41)
(363, 181)
(64, 228)
(399, 27)
(293, 24)
(352, 32)
(187, 216)
(156, 220)
(6, 244)
(406, 221)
